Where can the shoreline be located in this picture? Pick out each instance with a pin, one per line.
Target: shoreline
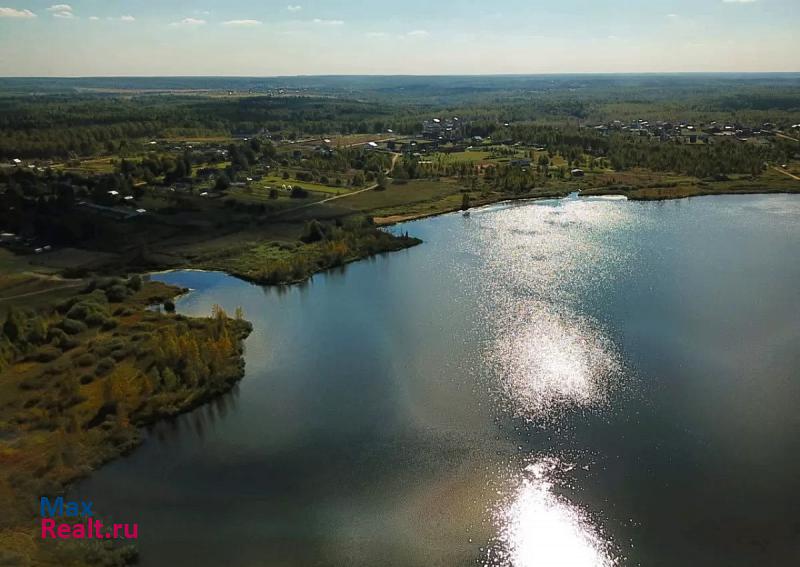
(632, 195)
(392, 220)
(397, 219)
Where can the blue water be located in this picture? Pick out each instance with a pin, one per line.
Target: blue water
(570, 382)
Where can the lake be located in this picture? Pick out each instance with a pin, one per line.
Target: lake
(576, 382)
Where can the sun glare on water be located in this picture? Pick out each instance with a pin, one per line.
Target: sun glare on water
(538, 528)
(549, 360)
(547, 354)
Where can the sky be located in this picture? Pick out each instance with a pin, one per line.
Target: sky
(378, 37)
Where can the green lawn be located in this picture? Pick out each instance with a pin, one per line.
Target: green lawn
(278, 182)
(94, 165)
(401, 195)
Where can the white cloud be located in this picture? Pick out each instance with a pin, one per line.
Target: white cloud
(418, 33)
(738, 1)
(294, 7)
(242, 23)
(376, 34)
(328, 22)
(93, 18)
(14, 13)
(188, 22)
(61, 11)
(127, 19)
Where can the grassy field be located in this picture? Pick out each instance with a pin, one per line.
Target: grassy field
(12, 263)
(402, 195)
(291, 260)
(471, 156)
(94, 165)
(260, 195)
(643, 185)
(277, 182)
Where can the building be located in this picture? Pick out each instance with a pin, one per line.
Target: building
(449, 129)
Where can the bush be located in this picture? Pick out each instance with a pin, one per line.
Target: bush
(92, 309)
(86, 359)
(96, 319)
(135, 283)
(56, 335)
(78, 311)
(73, 326)
(47, 354)
(104, 348)
(298, 193)
(69, 343)
(117, 293)
(120, 354)
(60, 366)
(104, 366)
(169, 306)
(313, 231)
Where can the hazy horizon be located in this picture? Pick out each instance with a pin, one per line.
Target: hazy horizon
(245, 38)
(409, 75)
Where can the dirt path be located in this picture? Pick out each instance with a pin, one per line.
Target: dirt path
(395, 157)
(40, 292)
(792, 175)
(782, 135)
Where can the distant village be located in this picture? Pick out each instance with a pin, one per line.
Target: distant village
(689, 133)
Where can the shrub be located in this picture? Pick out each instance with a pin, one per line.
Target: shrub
(117, 293)
(120, 353)
(104, 348)
(47, 354)
(86, 359)
(56, 335)
(135, 283)
(104, 366)
(73, 326)
(34, 382)
(78, 311)
(298, 193)
(96, 319)
(60, 366)
(313, 231)
(69, 343)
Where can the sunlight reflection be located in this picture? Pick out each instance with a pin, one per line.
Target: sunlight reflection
(539, 528)
(544, 259)
(548, 360)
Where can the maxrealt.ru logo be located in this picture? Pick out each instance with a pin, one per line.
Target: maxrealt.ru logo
(59, 522)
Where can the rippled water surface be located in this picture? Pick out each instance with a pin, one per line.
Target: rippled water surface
(568, 383)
